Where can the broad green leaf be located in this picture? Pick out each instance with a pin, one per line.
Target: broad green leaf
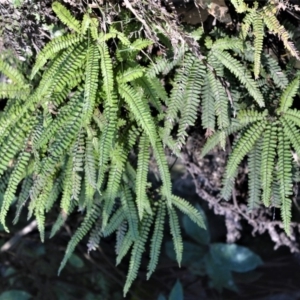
(76, 261)
(235, 258)
(176, 292)
(15, 295)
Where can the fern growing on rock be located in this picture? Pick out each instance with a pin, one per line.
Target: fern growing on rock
(80, 131)
(70, 137)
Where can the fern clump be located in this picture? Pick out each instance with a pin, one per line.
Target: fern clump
(268, 139)
(69, 140)
(80, 131)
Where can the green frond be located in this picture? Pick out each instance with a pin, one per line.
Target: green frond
(85, 226)
(215, 139)
(9, 91)
(157, 238)
(123, 249)
(95, 236)
(141, 174)
(131, 74)
(106, 141)
(14, 180)
(94, 28)
(191, 101)
(245, 143)
(118, 163)
(154, 91)
(164, 171)
(66, 198)
(130, 211)
(258, 32)
(14, 75)
(54, 46)
(91, 82)
(221, 101)
(23, 197)
(286, 99)
(248, 116)
(208, 106)
(114, 222)
(85, 23)
(186, 208)
(268, 161)
(65, 16)
(90, 164)
(136, 253)
(176, 234)
(291, 131)
(178, 93)
(228, 184)
(274, 26)
(238, 70)
(140, 44)
(285, 178)
(140, 111)
(254, 183)
(279, 77)
(247, 22)
(107, 73)
(39, 207)
(293, 115)
(228, 43)
(61, 219)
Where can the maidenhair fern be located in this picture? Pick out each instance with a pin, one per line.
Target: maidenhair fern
(80, 131)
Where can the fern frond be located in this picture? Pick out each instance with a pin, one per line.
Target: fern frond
(131, 74)
(85, 226)
(65, 16)
(243, 146)
(114, 222)
(228, 43)
(286, 99)
(254, 184)
(291, 131)
(215, 139)
(130, 212)
(157, 238)
(9, 91)
(14, 180)
(248, 116)
(164, 171)
(274, 70)
(221, 101)
(185, 207)
(137, 251)
(285, 179)
(176, 234)
(140, 110)
(91, 82)
(124, 247)
(141, 174)
(107, 73)
(23, 197)
(274, 26)
(54, 46)
(268, 161)
(90, 164)
(237, 69)
(208, 106)
(191, 101)
(258, 32)
(13, 74)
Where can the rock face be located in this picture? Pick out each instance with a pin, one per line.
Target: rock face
(196, 11)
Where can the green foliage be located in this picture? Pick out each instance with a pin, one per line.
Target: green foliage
(98, 106)
(217, 260)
